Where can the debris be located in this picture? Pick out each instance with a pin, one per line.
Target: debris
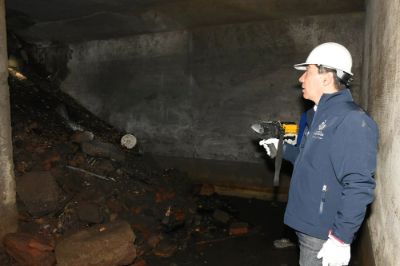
(159, 205)
(82, 136)
(50, 161)
(62, 111)
(173, 219)
(207, 190)
(90, 213)
(239, 228)
(154, 240)
(165, 249)
(110, 244)
(163, 195)
(221, 216)
(102, 165)
(283, 243)
(128, 141)
(107, 178)
(167, 216)
(103, 150)
(215, 240)
(27, 249)
(140, 263)
(39, 192)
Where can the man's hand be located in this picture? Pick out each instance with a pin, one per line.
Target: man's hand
(270, 146)
(334, 253)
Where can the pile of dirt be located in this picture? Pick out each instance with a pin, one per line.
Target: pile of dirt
(77, 188)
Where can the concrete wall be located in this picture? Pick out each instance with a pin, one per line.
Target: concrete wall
(382, 79)
(195, 93)
(8, 208)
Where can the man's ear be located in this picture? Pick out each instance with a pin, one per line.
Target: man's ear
(327, 79)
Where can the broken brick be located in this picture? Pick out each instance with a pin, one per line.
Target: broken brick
(180, 215)
(29, 250)
(140, 263)
(163, 195)
(49, 162)
(239, 228)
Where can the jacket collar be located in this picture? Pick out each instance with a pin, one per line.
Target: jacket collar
(329, 99)
(333, 98)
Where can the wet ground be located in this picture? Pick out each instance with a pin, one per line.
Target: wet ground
(218, 248)
(253, 249)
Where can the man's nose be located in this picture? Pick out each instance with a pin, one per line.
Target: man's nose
(301, 79)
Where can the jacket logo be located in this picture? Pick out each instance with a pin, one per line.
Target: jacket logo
(319, 134)
(322, 126)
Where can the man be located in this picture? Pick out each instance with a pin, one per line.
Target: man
(332, 181)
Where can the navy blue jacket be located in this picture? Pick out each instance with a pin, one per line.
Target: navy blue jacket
(332, 181)
(302, 126)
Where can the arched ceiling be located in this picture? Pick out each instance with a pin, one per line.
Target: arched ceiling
(77, 20)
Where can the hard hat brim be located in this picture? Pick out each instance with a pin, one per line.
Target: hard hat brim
(303, 67)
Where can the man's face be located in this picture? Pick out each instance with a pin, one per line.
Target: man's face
(311, 82)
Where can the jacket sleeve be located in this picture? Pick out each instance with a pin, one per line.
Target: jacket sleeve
(353, 156)
(290, 152)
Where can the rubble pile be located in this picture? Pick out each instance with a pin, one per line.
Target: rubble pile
(85, 199)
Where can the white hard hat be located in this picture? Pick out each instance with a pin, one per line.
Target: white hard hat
(331, 55)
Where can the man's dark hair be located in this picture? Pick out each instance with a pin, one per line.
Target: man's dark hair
(337, 81)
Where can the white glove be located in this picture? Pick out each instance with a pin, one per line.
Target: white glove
(266, 142)
(334, 253)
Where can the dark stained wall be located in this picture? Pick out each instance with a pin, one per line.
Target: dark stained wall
(194, 93)
(381, 84)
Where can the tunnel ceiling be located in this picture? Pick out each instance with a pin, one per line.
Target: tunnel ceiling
(80, 20)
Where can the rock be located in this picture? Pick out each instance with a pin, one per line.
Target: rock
(283, 243)
(90, 213)
(103, 166)
(164, 195)
(101, 245)
(78, 160)
(103, 150)
(140, 263)
(221, 216)
(39, 192)
(51, 160)
(153, 241)
(82, 136)
(173, 219)
(29, 250)
(165, 249)
(22, 167)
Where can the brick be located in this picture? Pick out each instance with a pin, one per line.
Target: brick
(29, 250)
(238, 229)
